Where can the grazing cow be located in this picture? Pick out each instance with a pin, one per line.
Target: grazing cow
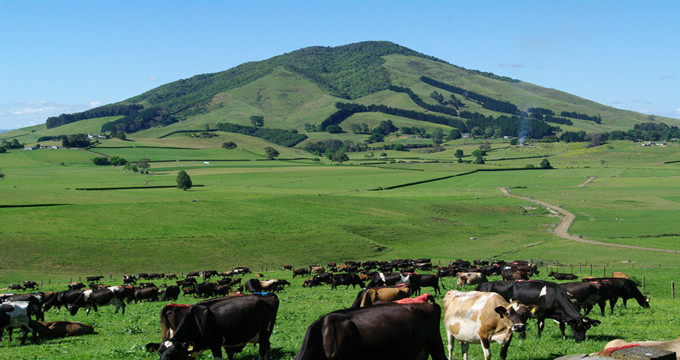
(470, 278)
(61, 298)
(370, 296)
(76, 285)
(241, 270)
(150, 294)
(59, 329)
(17, 315)
(583, 295)
(205, 289)
(15, 287)
(301, 271)
(346, 279)
(94, 278)
(129, 279)
(615, 288)
(324, 277)
(477, 317)
(192, 274)
(30, 284)
(190, 281)
(171, 293)
(620, 275)
(383, 332)
(207, 274)
(273, 284)
(231, 322)
(511, 274)
(92, 298)
(287, 267)
(147, 285)
(431, 280)
(170, 276)
(222, 290)
(383, 279)
(561, 276)
(668, 345)
(551, 302)
(316, 269)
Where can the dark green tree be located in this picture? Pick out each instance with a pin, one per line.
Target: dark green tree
(183, 180)
(339, 157)
(486, 146)
(271, 152)
(545, 164)
(143, 165)
(229, 145)
(479, 159)
(334, 129)
(257, 120)
(459, 153)
(437, 136)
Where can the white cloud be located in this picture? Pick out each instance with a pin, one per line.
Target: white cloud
(94, 104)
(677, 111)
(153, 79)
(20, 113)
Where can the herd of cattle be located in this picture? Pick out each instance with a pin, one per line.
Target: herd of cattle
(383, 314)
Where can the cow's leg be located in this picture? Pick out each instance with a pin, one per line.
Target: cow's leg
(451, 341)
(540, 324)
(504, 348)
(602, 303)
(485, 348)
(464, 349)
(564, 337)
(24, 330)
(612, 302)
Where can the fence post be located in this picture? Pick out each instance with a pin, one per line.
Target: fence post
(672, 289)
(591, 269)
(571, 268)
(643, 284)
(604, 271)
(579, 268)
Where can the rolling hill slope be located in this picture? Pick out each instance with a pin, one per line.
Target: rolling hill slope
(299, 90)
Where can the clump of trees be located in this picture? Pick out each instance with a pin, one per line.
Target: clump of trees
(8, 145)
(229, 145)
(76, 140)
(271, 152)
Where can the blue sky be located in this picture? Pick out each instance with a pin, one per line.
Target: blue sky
(67, 56)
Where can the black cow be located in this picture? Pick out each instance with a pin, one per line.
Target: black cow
(150, 293)
(94, 278)
(253, 286)
(346, 279)
(324, 277)
(387, 331)
(583, 295)
(231, 323)
(431, 280)
(171, 293)
(615, 288)
(30, 284)
(61, 298)
(551, 301)
(206, 289)
(300, 271)
(561, 276)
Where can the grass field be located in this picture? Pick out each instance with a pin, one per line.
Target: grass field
(261, 213)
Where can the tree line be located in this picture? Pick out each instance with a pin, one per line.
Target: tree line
(649, 131)
(140, 120)
(281, 137)
(102, 111)
(485, 101)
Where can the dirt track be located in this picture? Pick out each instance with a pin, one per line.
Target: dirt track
(562, 230)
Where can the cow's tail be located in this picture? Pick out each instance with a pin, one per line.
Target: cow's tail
(441, 281)
(312, 345)
(357, 301)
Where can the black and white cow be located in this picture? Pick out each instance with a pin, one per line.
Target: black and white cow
(90, 299)
(550, 300)
(17, 314)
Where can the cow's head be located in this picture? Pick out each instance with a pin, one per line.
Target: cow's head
(517, 313)
(580, 326)
(174, 350)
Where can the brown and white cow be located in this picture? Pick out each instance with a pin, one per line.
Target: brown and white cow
(470, 278)
(371, 296)
(482, 317)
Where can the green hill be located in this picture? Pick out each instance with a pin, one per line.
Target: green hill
(298, 91)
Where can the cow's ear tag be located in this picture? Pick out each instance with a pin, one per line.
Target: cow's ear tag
(190, 348)
(533, 311)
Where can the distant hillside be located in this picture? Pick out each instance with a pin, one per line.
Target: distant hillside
(353, 89)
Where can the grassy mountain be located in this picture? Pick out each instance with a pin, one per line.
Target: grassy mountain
(301, 88)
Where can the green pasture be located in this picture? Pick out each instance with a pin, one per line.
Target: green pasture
(262, 213)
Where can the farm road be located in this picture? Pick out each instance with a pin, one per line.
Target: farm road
(562, 230)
